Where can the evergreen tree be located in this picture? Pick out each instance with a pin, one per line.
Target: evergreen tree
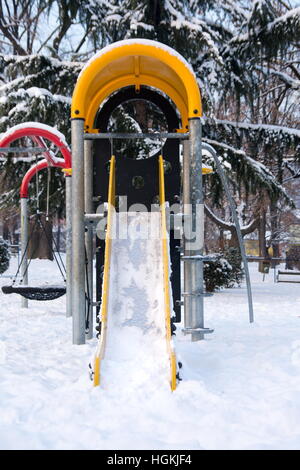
(245, 54)
(4, 256)
(34, 88)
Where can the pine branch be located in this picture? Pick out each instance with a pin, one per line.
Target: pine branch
(270, 38)
(264, 128)
(250, 173)
(284, 77)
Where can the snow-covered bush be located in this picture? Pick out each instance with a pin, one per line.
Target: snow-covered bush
(234, 258)
(223, 270)
(216, 272)
(293, 257)
(4, 256)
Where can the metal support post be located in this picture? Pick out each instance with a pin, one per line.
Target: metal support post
(187, 213)
(88, 202)
(24, 247)
(194, 314)
(237, 225)
(68, 180)
(78, 247)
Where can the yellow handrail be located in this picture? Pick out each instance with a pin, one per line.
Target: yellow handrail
(107, 258)
(166, 274)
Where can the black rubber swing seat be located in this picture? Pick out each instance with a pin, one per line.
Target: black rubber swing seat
(36, 293)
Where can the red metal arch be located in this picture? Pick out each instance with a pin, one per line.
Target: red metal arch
(37, 132)
(33, 170)
(33, 130)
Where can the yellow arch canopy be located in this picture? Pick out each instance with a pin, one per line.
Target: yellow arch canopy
(136, 62)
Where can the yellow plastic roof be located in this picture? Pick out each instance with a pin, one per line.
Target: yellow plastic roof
(136, 62)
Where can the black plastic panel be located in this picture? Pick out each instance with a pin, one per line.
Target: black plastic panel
(138, 178)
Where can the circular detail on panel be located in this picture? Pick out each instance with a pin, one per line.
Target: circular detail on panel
(138, 182)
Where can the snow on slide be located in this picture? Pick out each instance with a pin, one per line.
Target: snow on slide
(136, 350)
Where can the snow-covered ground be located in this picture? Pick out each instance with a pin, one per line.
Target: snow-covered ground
(240, 387)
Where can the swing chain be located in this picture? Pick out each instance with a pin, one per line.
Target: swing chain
(48, 192)
(37, 188)
(87, 296)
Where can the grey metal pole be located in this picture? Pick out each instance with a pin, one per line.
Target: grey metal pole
(88, 201)
(24, 242)
(78, 246)
(68, 180)
(135, 135)
(195, 291)
(22, 149)
(187, 213)
(237, 225)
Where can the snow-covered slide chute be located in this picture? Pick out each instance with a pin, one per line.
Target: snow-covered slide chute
(122, 286)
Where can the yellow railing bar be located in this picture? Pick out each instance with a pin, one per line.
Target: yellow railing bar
(106, 274)
(166, 275)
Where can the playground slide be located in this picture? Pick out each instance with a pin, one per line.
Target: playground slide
(135, 345)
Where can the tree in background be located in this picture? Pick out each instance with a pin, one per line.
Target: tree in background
(245, 54)
(4, 256)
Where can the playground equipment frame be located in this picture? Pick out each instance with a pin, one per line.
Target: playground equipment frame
(37, 132)
(127, 63)
(132, 63)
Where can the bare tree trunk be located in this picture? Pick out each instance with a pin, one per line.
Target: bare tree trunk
(221, 240)
(262, 234)
(234, 241)
(274, 229)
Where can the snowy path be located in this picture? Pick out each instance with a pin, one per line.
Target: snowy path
(240, 388)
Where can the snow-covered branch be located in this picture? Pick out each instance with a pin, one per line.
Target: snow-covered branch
(249, 228)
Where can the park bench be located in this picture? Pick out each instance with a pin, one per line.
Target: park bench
(288, 273)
